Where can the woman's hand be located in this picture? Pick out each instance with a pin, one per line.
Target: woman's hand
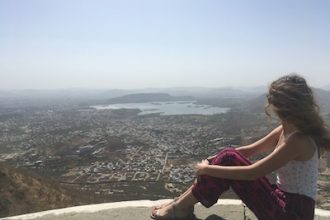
(212, 157)
(201, 167)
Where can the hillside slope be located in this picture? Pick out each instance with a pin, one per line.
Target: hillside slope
(20, 193)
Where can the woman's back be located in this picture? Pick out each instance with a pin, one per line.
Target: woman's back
(300, 176)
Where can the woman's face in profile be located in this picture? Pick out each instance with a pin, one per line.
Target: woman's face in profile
(272, 110)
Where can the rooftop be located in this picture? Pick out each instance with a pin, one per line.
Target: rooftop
(140, 210)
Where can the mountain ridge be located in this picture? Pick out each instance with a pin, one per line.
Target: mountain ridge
(148, 97)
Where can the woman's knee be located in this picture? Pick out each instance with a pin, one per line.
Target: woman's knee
(229, 157)
(228, 149)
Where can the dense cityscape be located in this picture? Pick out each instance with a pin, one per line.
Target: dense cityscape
(118, 154)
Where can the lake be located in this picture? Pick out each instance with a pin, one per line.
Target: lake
(167, 108)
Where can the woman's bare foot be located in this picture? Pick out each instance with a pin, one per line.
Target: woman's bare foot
(164, 204)
(171, 211)
(174, 200)
(182, 208)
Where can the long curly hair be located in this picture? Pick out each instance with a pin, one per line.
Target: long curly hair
(293, 101)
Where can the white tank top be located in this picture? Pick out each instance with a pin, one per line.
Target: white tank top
(300, 176)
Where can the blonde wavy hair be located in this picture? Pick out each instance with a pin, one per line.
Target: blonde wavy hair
(293, 101)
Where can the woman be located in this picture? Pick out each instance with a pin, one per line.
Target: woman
(295, 148)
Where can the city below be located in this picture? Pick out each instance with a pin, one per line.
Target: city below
(119, 154)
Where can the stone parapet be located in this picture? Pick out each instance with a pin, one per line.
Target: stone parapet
(140, 210)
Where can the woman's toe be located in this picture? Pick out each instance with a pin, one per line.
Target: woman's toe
(155, 214)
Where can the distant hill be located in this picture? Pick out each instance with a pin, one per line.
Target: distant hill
(148, 97)
(258, 104)
(323, 99)
(20, 193)
(327, 87)
(249, 97)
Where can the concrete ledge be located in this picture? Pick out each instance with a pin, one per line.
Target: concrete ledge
(136, 210)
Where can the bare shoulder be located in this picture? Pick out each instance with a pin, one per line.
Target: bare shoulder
(303, 144)
(277, 131)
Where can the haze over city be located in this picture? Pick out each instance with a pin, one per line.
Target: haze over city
(105, 101)
(147, 43)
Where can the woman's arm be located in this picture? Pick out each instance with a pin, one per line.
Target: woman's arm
(266, 143)
(262, 145)
(278, 158)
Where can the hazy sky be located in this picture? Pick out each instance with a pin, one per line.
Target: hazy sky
(47, 44)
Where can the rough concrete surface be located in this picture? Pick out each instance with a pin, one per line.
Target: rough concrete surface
(140, 210)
